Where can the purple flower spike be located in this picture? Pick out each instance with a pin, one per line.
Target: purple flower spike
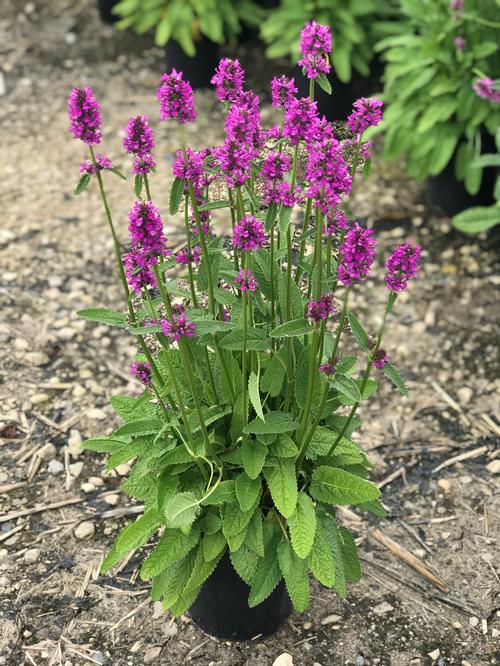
(178, 327)
(84, 116)
(485, 88)
(143, 164)
(176, 98)
(401, 266)
(228, 79)
(367, 112)
(329, 367)
(103, 162)
(380, 359)
(460, 42)
(248, 234)
(301, 120)
(315, 45)
(139, 137)
(184, 257)
(246, 281)
(358, 253)
(283, 90)
(335, 221)
(142, 371)
(276, 165)
(322, 309)
(146, 229)
(138, 267)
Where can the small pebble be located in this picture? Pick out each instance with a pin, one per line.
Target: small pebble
(494, 466)
(331, 619)
(55, 467)
(97, 414)
(31, 556)
(87, 487)
(435, 654)
(47, 452)
(383, 608)
(284, 659)
(473, 621)
(112, 500)
(84, 530)
(39, 398)
(99, 657)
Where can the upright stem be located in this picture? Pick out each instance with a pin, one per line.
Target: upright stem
(299, 272)
(146, 185)
(244, 349)
(188, 245)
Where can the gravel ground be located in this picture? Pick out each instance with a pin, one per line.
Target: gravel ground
(57, 374)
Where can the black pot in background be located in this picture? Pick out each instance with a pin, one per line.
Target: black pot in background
(198, 70)
(105, 7)
(221, 608)
(449, 194)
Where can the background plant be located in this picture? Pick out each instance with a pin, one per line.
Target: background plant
(439, 53)
(187, 20)
(250, 354)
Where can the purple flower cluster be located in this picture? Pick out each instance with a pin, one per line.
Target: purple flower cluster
(456, 5)
(143, 164)
(402, 265)
(147, 244)
(329, 367)
(185, 257)
(178, 327)
(315, 45)
(460, 42)
(248, 234)
(276, 165)
(380, 359)
(322, 309)
(142, 371)
(327, 171)
(301, 120)
(335, 220)
(367, 112)
(84, 116)
(486, 89)
(246, 281)
(283, 90)
(228, 79)
(102, 161)
(358, 253)
(139, 137)
(176, 98)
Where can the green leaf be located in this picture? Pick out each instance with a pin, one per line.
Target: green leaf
(181, 510)
(235, 520)
(282, 483)
(138, 185)
(294, 572)
(321, 558)
(302, 525)
(223, 493)
(324, 83)
(437, 112)
(213, 545)
(477, 219)
(214, 205)
(284, 447)
(247, 490)
(83, 183)
(393, 375)
(170, 584)
(254, 394)
(176, 193)
(358, 331)
(116, 172)
(267, 574)
(350, 553)
(172, 546)
(294, 328)
(375, 507)
(275, 422)
(254, 538)
(244, 562)
(333, 536)
(201, 571)
(272, 379)
(253, 454)
(102, 445)
(336, 486)
(132, 537)
(257, 340)
(147, 426)
(104, 316)
(346, 386)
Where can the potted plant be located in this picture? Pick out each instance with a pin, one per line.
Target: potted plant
(443, 109)
(242, 438)
(190, 31)
(356, 27)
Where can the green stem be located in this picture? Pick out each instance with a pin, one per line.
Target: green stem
(146, 185)
(188, 245)
(244, 349)
(311, 380)
(307, 215)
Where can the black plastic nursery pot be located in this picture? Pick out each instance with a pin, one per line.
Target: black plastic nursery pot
(105, 7)
(199, 69)
(221, 608)
(448, 193)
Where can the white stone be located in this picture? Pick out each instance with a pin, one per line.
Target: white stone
(464, 395)
(383, 608)
(97, 414)
(473, 621)
(31, 556)
(47, 452)
(494, 466)
(284, 659)
(435, 654)
(87, 487)
(39, 398)
(331, 619)
(84, 530)
(112, 500)
(75, 469)
(55, 467)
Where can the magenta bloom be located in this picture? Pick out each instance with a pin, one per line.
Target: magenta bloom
(143, 164)
(456, 5)
(176, 98)
(138, 267)
(185, 257)
(283, 91)
(401, 266)
(315, 44)
(335, 221)
(327, 172)
(139, 137)
(367, 112)
(248, 234)
(329, 367)
(142, 371)
(84, 116)
(178, 327)
(103, 162)
(146, 229)
(228, 79)
(301, 120)
(380, 359)
(276, 165)
(358, 253)
(322, 309)
(485, 88)
(246, 281)
(243, 121)
(460, 42)
(235, 160)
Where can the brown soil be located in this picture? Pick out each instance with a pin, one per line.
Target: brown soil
(57, 374)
